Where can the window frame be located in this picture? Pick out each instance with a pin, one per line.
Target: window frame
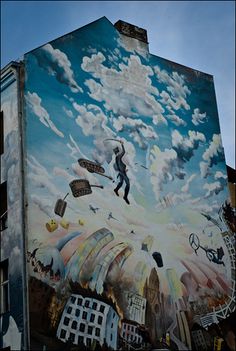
(3, 206)
(4, 285)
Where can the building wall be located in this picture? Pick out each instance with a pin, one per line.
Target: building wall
(87, 94)
(12, 323)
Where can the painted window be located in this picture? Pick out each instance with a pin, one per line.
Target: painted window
(92, 317)
(90, 330)
(77, 312)
(99, 320)
(73, 298)
(3, 206)
(74, 325)
(80, 339)
(97, 332)
(111, 337)
(102, 308)
(79, 301)
(1, 134)
(66, 321)
(69, 309)
(63, 334)
(86, 303)
(82, 327)
(72, 337)
(94, 305)
(4, 286)
(84, 315)
(89, 342)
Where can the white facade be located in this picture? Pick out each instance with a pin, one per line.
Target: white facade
(136, 307)
(88, 320)
(130, 332)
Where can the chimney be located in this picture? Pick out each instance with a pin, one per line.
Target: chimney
(132, 31)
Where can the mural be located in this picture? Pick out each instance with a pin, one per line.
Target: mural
(127, 196)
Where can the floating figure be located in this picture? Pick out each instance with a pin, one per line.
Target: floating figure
(158, 259)
(110, 216)
(81, 187)
(60, 206)
(51, 225)
(81, 221)
(64, 224)
(93, 167)
(212, 255)
(94, 209)
(120, 167)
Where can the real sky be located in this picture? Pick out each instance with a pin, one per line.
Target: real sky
(198, 34)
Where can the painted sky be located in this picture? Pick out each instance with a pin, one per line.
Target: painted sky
(196, 34)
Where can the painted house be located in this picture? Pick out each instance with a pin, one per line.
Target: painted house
(86, 320)
(110, 157)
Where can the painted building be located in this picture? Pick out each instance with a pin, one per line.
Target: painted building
(131, 334)
(110, 157)
(86, 320)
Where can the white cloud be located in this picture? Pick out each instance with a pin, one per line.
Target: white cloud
(219, 175)
(40, 177)
(176, 120)
(69, 113)
(213, 188)
(127, 91)
(185, 146)
(75, 150)
(93, 122)
(45, 204)
(34, 103)
(139, 131)
(175, 198)
(198, 117)
(162, 164)
(185, 188)
(177, 93)
(206, 208)
(212, 155)
(56, 63)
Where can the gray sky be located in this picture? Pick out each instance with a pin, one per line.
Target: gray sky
(198, 34)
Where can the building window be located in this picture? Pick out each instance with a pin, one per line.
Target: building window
(128, 327)
(69, 309)
(86, 303)
(97, 332)
(63, 334)
(99, 320)
(74, 325)
(73, 298)
(4, 286)
(102, 308)
(77, 312)
(79, 301)
(72, 337)
(66, 321)
(82, 327)
(94, 306)
(111, 337)
(1, 134)
(84, 315)
(90, 330)
(3, 206)
(92, 317)
(111, 325)
(89, 342)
